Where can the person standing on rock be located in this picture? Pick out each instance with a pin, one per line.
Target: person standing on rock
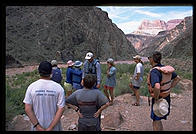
(92, 66)
(89, 104)
(44, 101)
(110, 80)
(137, 79)
(159, 86)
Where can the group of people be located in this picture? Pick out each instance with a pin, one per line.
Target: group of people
(45, 98)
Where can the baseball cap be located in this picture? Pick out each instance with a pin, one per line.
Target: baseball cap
(54, 62)
(45, 68)
(110, 60)
(89, 55)
(137, 57)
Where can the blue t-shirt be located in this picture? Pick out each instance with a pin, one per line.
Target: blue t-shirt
(156, 76)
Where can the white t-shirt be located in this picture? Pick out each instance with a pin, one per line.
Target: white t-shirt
(138, 69)
(45, 96)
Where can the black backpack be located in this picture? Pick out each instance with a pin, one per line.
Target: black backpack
(56, 75)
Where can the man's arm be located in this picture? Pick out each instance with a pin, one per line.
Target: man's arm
(175, 81)
(101, 109)
(29, 111)
(98, 75)
(156, 91)
(56, 118)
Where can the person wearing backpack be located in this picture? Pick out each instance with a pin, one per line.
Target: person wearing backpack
(56, 72)
(92, 66)
(68, 81)
(161, 79)
(77, 75)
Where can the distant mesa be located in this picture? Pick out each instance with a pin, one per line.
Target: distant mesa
(152, 28)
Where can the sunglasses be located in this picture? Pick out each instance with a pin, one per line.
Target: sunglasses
(149, 57)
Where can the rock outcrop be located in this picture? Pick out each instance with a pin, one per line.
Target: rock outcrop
(148, 30)
(176, 43)
(36, 33)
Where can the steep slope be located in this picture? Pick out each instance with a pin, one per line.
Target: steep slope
(35, 33)
(176, 43)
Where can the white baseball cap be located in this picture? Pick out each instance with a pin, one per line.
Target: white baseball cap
(161, 108)
(89, 55)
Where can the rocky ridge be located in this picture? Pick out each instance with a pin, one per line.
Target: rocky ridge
(36, 33)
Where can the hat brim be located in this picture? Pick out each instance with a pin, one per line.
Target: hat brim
(88, 58)
(78, 65)
(156, 109)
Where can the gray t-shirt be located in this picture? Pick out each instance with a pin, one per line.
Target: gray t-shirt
(89, 101)
(45, 96)
(138, 69)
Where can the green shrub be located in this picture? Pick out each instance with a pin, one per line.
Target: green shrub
(16, 85)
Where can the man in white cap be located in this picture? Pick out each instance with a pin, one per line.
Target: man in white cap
(92, 66)
(159, 87)
(137, 79)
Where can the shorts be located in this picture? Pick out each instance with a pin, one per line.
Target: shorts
(136, 87)
(68, 86)
(153, 116)
(108, 87)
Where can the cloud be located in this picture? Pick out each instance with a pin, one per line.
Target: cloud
(151, 14)
(128, 27)
(176, 15)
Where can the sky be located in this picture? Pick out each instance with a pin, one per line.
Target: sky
(128, 18)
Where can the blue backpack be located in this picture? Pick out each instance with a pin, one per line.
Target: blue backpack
(56, 75)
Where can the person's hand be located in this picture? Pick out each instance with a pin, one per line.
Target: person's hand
(97, 114)
(82, 82)
(98, 85)
(79, 114)
(40, 128)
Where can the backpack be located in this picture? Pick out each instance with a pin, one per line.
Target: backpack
(56, 75)
(93, 69)
(165, 83)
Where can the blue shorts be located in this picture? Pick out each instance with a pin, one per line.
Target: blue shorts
(153, 116)
(136, 87)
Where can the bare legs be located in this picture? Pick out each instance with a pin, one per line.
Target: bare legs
(111, 94)
(157, 125)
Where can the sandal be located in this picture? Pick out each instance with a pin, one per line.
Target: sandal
(135, 104)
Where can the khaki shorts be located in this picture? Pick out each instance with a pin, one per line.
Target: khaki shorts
(67, 86)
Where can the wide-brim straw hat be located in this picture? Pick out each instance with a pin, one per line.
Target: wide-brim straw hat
(161, 108)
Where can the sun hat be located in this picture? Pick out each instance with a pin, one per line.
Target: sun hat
(45, 68)
(161, 108)
(137, 57)
(54, 62)
(78, 63)
(70, 63)
(89, 55)
(110, 60)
